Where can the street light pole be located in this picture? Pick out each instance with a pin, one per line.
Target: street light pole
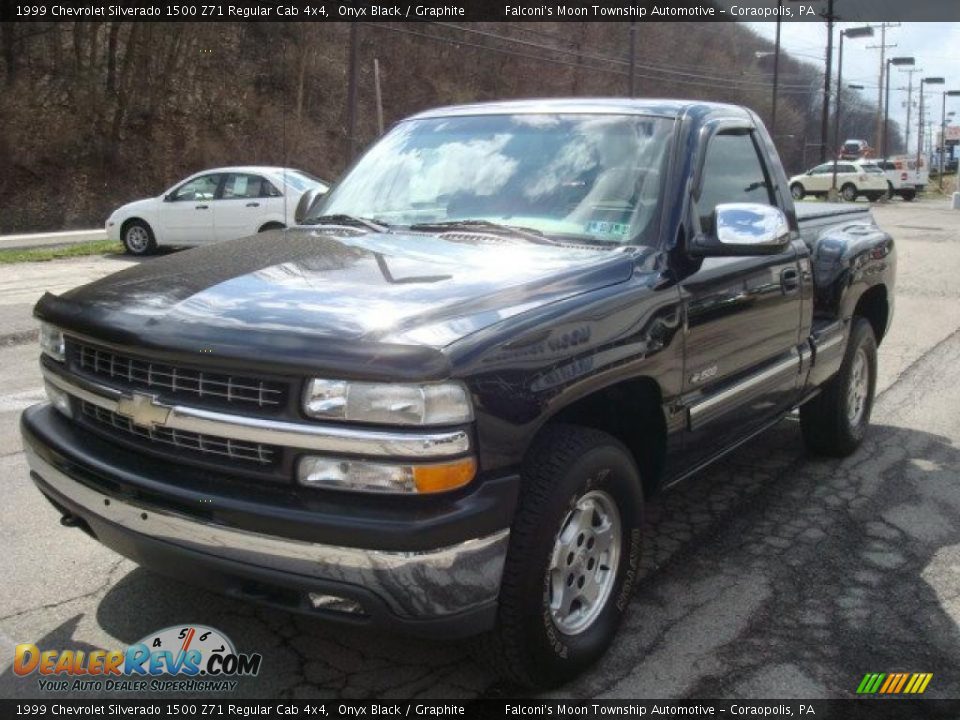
(865, 31)
(886, 103)
(924, 81)
(943, 131)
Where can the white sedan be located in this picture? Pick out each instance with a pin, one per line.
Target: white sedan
(853, 180)
(213, 205)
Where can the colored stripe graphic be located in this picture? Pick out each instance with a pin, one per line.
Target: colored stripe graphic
(894, 683)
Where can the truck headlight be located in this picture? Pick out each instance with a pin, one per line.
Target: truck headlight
(51, 341)
(389, 403)
(333, 473)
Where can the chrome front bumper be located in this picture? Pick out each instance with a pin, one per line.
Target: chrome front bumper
(414, 585)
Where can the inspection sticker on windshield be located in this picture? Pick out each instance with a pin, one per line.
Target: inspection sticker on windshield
(597, 227)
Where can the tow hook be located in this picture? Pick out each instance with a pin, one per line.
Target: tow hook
(71, 521)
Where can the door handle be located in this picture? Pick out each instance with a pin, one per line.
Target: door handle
(253, 204)
(202, 207)
(789, 280)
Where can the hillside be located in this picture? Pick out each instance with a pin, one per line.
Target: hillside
(97, 114)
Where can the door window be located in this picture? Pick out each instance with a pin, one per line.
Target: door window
(732, 172)
(849, 169)
(242, 185)
(201, 188)
(822, 169)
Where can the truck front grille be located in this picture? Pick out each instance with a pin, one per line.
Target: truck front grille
(219, 388)
(180, 440)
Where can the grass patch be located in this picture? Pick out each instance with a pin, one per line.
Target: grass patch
(42, 254)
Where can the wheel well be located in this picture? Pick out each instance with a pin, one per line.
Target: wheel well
(129, 221)
(272, 225)
(873, 306)
(630, 411)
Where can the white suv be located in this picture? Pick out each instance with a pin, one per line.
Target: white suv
(854, 179)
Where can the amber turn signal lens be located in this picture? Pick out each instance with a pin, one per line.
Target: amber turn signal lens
(444, 476)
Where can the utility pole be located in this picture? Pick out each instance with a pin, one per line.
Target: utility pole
(376, 85)
(910, 72)
(776, 74)
(825, 119)
(352, 96)
(883, 69)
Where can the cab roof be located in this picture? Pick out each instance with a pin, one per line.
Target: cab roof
(615, 106)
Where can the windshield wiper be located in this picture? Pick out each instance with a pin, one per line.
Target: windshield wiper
(527, 233)
(343, 219)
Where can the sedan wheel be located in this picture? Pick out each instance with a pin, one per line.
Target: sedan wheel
(138, 238)
(849, 193)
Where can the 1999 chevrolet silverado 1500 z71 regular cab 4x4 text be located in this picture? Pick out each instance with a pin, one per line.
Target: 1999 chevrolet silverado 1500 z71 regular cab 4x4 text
(439, 402)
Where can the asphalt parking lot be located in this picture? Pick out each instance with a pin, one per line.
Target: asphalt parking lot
(771, 575)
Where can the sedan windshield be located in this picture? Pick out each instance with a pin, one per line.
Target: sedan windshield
(590, 177)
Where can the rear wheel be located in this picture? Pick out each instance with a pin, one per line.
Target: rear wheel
(138, 238)
(797, 191)
(908, 195)
(572, 561)
(835, 421)
(849, 192)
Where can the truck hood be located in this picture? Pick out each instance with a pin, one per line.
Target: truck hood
(310, 291)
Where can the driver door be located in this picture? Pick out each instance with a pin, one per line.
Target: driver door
(187, 214)
(741, 359)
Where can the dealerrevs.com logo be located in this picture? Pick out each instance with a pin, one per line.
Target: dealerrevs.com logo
(182, 658)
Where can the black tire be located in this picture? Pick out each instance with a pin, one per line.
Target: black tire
(567, 464)
(138, 239)
(271, 226)
(874, 197)
(849, 192)
(909, 195)
(797, 191)
(826, 422)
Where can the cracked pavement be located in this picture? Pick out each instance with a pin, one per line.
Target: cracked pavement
(772, 574)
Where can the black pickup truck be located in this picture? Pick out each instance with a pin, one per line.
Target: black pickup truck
(440, 402)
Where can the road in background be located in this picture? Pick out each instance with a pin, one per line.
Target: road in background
(770, 575)
(34, 240)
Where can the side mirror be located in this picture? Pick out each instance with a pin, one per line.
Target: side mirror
(168, 197)
(306, 203)
(743, 229)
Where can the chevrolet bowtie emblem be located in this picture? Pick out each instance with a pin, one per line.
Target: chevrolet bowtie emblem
(143, 410)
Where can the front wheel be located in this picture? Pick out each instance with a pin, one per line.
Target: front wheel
(835, 421)
(849, 192)
(573, 558)
(797, 191)
(138, 238)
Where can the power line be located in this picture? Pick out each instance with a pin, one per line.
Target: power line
(610, 59)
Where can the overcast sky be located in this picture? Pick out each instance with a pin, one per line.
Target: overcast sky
(936, 47)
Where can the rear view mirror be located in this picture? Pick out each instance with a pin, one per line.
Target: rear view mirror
(744, 229)
(307, 201)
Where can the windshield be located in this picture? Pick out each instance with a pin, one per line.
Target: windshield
(594, 177)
